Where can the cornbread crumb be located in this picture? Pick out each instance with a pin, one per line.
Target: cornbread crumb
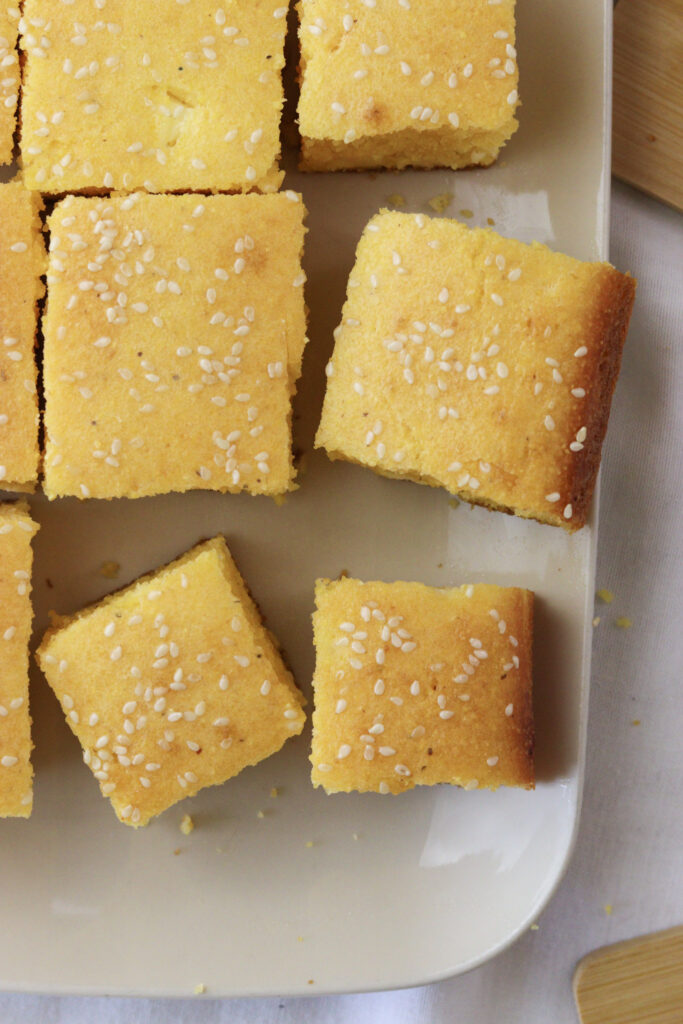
(623, 622)
(432, 84)
(9, 83)
(186, 825)
(636, 721)
(416, 686)
(441, 202)
(608, 909)
(596, 621)
(260, 814)
(533, 927)
(180, 374)
(172, 684)
(309, 845)
(477, 363)
(22, 261)
(110, 570)
(606, 596)
(164, 97)
(16, 772)
(467, 214)
(199, 990)
(274, 793)
(396, 199)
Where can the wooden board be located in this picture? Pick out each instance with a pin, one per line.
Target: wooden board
(647, 129)
(635, 982)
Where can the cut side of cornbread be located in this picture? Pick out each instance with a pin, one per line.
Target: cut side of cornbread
(16, 614)
(10, 78)
(477, 363)
(416, 686)
(172, 684)
(390, 83)
(22, 262)
(174, 335)
(185, 94)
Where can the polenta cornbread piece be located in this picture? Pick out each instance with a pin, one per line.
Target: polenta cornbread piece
(416, 685)
(184, 94)
(22, 261)
(16, 773)
(172, 684)
(174, 334)
(390, 83)
(9, 79)
(477, 363)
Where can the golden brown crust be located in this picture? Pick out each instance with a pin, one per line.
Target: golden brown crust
(390, 85)
(16, 772)
(605, 336)
(477, 363)
(418, 686)
(172, 684)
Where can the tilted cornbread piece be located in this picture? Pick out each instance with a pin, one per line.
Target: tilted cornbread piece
(395, 84)
(22, 261)
(16, 614)
(477, 363)
(416, 686)
(172, 684)
(174, 335)
(10, 78)
(184, 94)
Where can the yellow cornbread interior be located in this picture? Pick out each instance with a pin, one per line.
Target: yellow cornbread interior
(392, 84)
(163, 96)
(173, 684)
(174, 334)
(9, 80)
(417, 686)
(16, 773)
(22, 262)
(476, 363)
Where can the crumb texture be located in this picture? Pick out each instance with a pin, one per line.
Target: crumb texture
(10, 80)
(184, 94)
(477, 363)
(174, 335)
(391, 83)
(172, 684)
(22, 262)
(16, 773)
(417, 686)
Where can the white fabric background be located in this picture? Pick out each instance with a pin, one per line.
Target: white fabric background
(630, 847)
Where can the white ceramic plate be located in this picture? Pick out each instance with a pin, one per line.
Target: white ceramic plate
(394, 891)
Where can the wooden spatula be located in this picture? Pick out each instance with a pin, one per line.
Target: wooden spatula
(639, 981)
(647, 130)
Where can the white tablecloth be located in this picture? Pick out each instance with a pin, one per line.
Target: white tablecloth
(625, 876)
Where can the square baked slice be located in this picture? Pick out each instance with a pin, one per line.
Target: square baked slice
(172, 684)
(10, 77)
(174, 335)
(22, 262)
(477, 363)
(16, 614)
(393, 83)
(415, 686)
(131, 94)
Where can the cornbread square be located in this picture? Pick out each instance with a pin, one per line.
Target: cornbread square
(16, 773)
(174, 335)
(184, 94)
(22, 261)
(9, 80)
(416, 685)
(476, 363)
(172, 684)
(388, 83)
